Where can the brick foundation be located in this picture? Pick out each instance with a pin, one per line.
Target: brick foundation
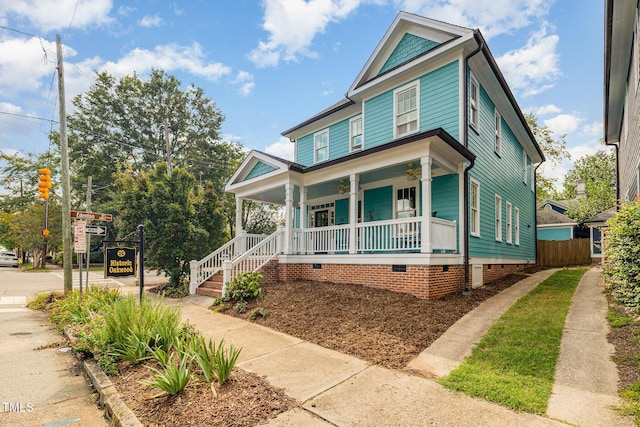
(422, 281)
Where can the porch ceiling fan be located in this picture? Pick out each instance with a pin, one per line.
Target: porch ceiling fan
(342, 187)
(413, 173)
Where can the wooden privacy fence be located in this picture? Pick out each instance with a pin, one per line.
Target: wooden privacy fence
(561, 253)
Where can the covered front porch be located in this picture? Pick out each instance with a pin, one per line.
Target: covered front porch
(403, 197)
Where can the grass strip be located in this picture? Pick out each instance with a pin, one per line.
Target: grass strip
(514, 363)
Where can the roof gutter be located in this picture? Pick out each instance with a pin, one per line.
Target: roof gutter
(480, 41)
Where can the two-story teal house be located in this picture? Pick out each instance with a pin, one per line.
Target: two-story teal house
(421, 180)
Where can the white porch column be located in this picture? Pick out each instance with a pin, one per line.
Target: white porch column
(353, 213)
(425, 238)
(239, 201)
(288, 221)
(302, 237)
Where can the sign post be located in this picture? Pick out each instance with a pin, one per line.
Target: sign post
(80, 243)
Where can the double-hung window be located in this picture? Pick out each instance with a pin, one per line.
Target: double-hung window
(474, 103)
(509, 226)
(406, 109)
(474, 202)
(498, 218)
(321, 146)
(498, 132)
(355, 133)
(517, 225)
(406, 202)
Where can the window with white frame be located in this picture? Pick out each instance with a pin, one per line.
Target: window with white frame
(517, 226)
(355, 133)
(524, 166)
(509, 229)
(498, 218)
(474, 203)
(474, 103)
(406, 202)
(406, 109)
(321, 146)
(498, 131)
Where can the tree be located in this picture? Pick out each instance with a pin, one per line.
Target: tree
(260, 218)
(555, 151)
(133, 124)
(598, 171)
(165, 206)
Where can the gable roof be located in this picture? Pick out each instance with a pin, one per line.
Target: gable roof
(274, 166)
(549, 216)
(602, 216)
(562, 204)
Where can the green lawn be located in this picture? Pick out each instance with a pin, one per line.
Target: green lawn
(515, 361)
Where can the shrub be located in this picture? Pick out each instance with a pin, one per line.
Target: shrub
(77, 308)
(622, 251)
(244, 287)
(258, 312)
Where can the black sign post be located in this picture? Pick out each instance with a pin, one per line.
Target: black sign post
(121, 261)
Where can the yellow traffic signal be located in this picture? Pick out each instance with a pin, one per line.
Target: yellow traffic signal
(45, 232)
(45, 183)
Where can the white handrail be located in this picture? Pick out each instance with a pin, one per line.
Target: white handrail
(203, 269)
(253, 259)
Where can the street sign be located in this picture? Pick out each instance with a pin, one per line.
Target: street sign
(95, 230)
(119, 262)
(80, 236)
(91, 215)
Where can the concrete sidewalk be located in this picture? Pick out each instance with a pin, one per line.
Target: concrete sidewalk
(337, 389)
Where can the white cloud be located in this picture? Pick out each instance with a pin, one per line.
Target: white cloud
(169, 58)
(49, 15)
(292, 26)
(563, 124)
(245, 80)
(595, 129)
(545, 110)
(493, 17)
(24, 63)
(10, 152)
(533, 68)
(229, 137)
(150, 21)
(282, 148)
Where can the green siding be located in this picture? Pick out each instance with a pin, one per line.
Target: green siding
(444, 197)
(342, 211)
(338, 143)
(260, 168)
(439, 100)
(500, 175)
(304, 155)
(378, 204)
(409, 47)
(563, 233)
(438, 107)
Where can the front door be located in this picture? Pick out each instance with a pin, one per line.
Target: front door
(321, 218)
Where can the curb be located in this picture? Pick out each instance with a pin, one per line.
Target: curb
(115, 408)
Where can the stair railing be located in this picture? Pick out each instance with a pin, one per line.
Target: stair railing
(203, 269)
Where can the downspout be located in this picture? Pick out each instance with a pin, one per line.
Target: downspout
(535, 215)
(465, 197)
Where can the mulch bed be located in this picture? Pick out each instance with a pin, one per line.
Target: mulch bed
(382, 327)
(627, 353)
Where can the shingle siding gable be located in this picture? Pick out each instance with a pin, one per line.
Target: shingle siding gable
(408, 48)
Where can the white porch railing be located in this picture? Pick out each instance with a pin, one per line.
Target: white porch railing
(253, 259)
(212, 263)
(396, 235)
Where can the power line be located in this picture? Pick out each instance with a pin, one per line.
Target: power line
(25, 116)
(23, 32)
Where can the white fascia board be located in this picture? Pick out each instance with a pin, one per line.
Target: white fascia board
(453, 46)
(249, 162)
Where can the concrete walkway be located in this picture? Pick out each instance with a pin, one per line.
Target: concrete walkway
(341, 390)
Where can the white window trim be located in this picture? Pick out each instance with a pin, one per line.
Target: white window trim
(524, 167)
(400, 186)
(477, 219)
(533, 178)
(509, 223)
(517, 226)
(395, 108)
(498, 218)
(498, 131)
(474, 123)
(351, 148)
(315, 147)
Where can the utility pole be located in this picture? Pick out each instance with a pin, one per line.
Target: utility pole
(67, 261)
(89, 183)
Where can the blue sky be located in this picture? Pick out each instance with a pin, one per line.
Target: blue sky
(271, 64)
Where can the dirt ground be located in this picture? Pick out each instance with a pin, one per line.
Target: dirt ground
(383, 327)
(627, 353)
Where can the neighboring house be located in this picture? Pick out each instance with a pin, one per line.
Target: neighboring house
(553, 225)
(559, 206)
(621, 94)
(422, 180)
(598, 226)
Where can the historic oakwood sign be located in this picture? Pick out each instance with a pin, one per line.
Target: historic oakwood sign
(119, 262)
